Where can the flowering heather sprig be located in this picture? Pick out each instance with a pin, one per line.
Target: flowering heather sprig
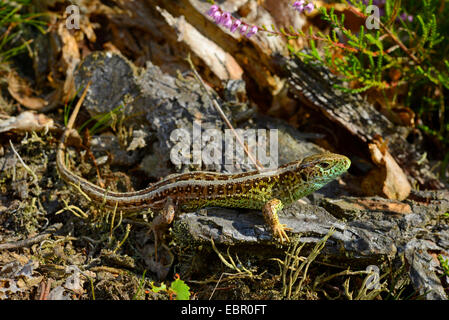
(302, 6)
(406, 17)
(225, 19)
(229, 22)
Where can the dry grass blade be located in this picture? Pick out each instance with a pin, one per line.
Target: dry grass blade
(295, 266)
(27, 168)
(232, 265)
(73, 209)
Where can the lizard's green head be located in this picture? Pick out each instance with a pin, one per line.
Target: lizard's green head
(319, 169)
(305, 176)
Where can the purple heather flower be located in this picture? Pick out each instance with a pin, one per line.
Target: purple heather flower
(252, 31)
(227, 24)
(212, 10)
(225, 17)
(235, 25)
(309, 7)
(217, 16)
(226, 20)
(243, 28)
(405, 17)
(300, 8)
(299, 3)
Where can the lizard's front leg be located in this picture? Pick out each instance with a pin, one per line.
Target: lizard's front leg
(270, 213)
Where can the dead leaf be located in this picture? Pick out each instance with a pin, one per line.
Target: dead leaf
(26, 122)
(160, 266)
(74, 281)
(403, 116)
(388, 179)
(59, 293)
(20, 90)
(69, 61)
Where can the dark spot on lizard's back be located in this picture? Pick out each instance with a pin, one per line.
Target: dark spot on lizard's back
(212, 176)
(209, 177)
(157, 197)
(242, 175)
(138, 202)
(238, 188)
(199, 190)
(220, 189)
(248, 185)
(266, 180)
(178, 177)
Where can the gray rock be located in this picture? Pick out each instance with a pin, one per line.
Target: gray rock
(240, 228)
(367, 231)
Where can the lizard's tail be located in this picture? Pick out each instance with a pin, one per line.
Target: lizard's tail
(126, 201)
(87, 187)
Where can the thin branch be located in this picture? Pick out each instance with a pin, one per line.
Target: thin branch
(30, 241)
(77, 108)
(223, 116)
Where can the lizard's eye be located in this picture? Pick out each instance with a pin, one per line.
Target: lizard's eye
(324, 165)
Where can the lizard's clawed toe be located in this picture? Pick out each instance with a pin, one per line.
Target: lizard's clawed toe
(279, 232)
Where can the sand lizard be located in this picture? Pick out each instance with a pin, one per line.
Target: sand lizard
(267, 190)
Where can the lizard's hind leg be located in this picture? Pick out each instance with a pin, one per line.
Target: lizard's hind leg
(162, 221)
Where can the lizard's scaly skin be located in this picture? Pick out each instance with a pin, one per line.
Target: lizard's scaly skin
(195, 190)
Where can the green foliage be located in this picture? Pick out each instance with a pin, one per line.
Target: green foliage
(102, 121)
(407, 59)
(444, 264)
(181, 290)
(140, 293)
(178, 288)
(13, 22)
